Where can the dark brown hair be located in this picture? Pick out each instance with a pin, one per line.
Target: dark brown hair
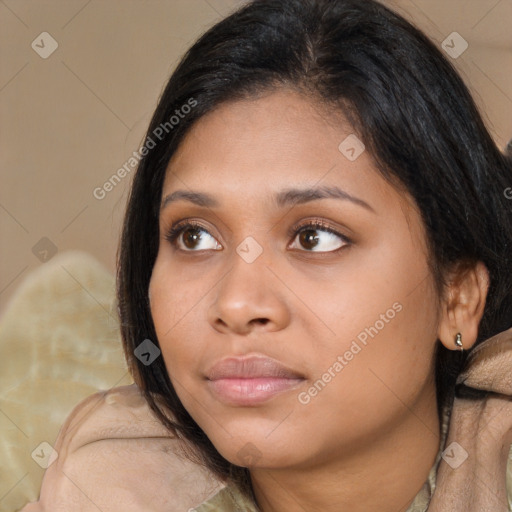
(404, 100)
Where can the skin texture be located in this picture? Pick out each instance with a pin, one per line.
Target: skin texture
(368, 439)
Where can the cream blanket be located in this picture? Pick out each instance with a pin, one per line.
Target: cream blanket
(59, 343)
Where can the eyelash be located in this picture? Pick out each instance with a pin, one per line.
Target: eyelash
(176, 230)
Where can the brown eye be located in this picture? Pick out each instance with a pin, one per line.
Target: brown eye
(310, 237)
(190, 235)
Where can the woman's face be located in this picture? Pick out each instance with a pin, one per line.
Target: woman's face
(351, 314)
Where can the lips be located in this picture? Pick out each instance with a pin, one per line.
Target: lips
(250, 380)
(250, 367)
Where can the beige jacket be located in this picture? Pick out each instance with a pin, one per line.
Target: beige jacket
(113, 455)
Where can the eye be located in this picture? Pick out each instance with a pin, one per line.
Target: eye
(192, 236)
(308, 237)
(188, 236)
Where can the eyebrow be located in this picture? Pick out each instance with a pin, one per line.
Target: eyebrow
(281, 199)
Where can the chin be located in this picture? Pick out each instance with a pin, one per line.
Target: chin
(256, 445)
(253, 455)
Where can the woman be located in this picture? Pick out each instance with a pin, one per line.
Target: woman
(317, 236)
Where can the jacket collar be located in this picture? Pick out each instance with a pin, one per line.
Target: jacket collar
(471, 476)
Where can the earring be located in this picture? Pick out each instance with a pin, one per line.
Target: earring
(458, 341)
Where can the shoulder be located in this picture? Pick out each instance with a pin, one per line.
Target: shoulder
(113, 454)
(119, 413)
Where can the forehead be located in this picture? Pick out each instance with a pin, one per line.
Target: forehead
(257, 147)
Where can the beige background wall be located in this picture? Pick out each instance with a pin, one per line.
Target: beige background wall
(69, 121)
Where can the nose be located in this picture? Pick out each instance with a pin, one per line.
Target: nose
(249, 297)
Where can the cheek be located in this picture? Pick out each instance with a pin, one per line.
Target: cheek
(383, 331)
(382, 296)
(371, 377)
(172, 302)
(175, 293)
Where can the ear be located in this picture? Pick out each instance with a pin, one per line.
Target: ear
(463, 305)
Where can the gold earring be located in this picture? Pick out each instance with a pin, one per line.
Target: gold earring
(458, 341)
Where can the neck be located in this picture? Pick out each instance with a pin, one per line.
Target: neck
(385, 475)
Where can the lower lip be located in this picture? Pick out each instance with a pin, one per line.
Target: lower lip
(251, 391)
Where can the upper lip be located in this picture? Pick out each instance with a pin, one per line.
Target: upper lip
(250, 367)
